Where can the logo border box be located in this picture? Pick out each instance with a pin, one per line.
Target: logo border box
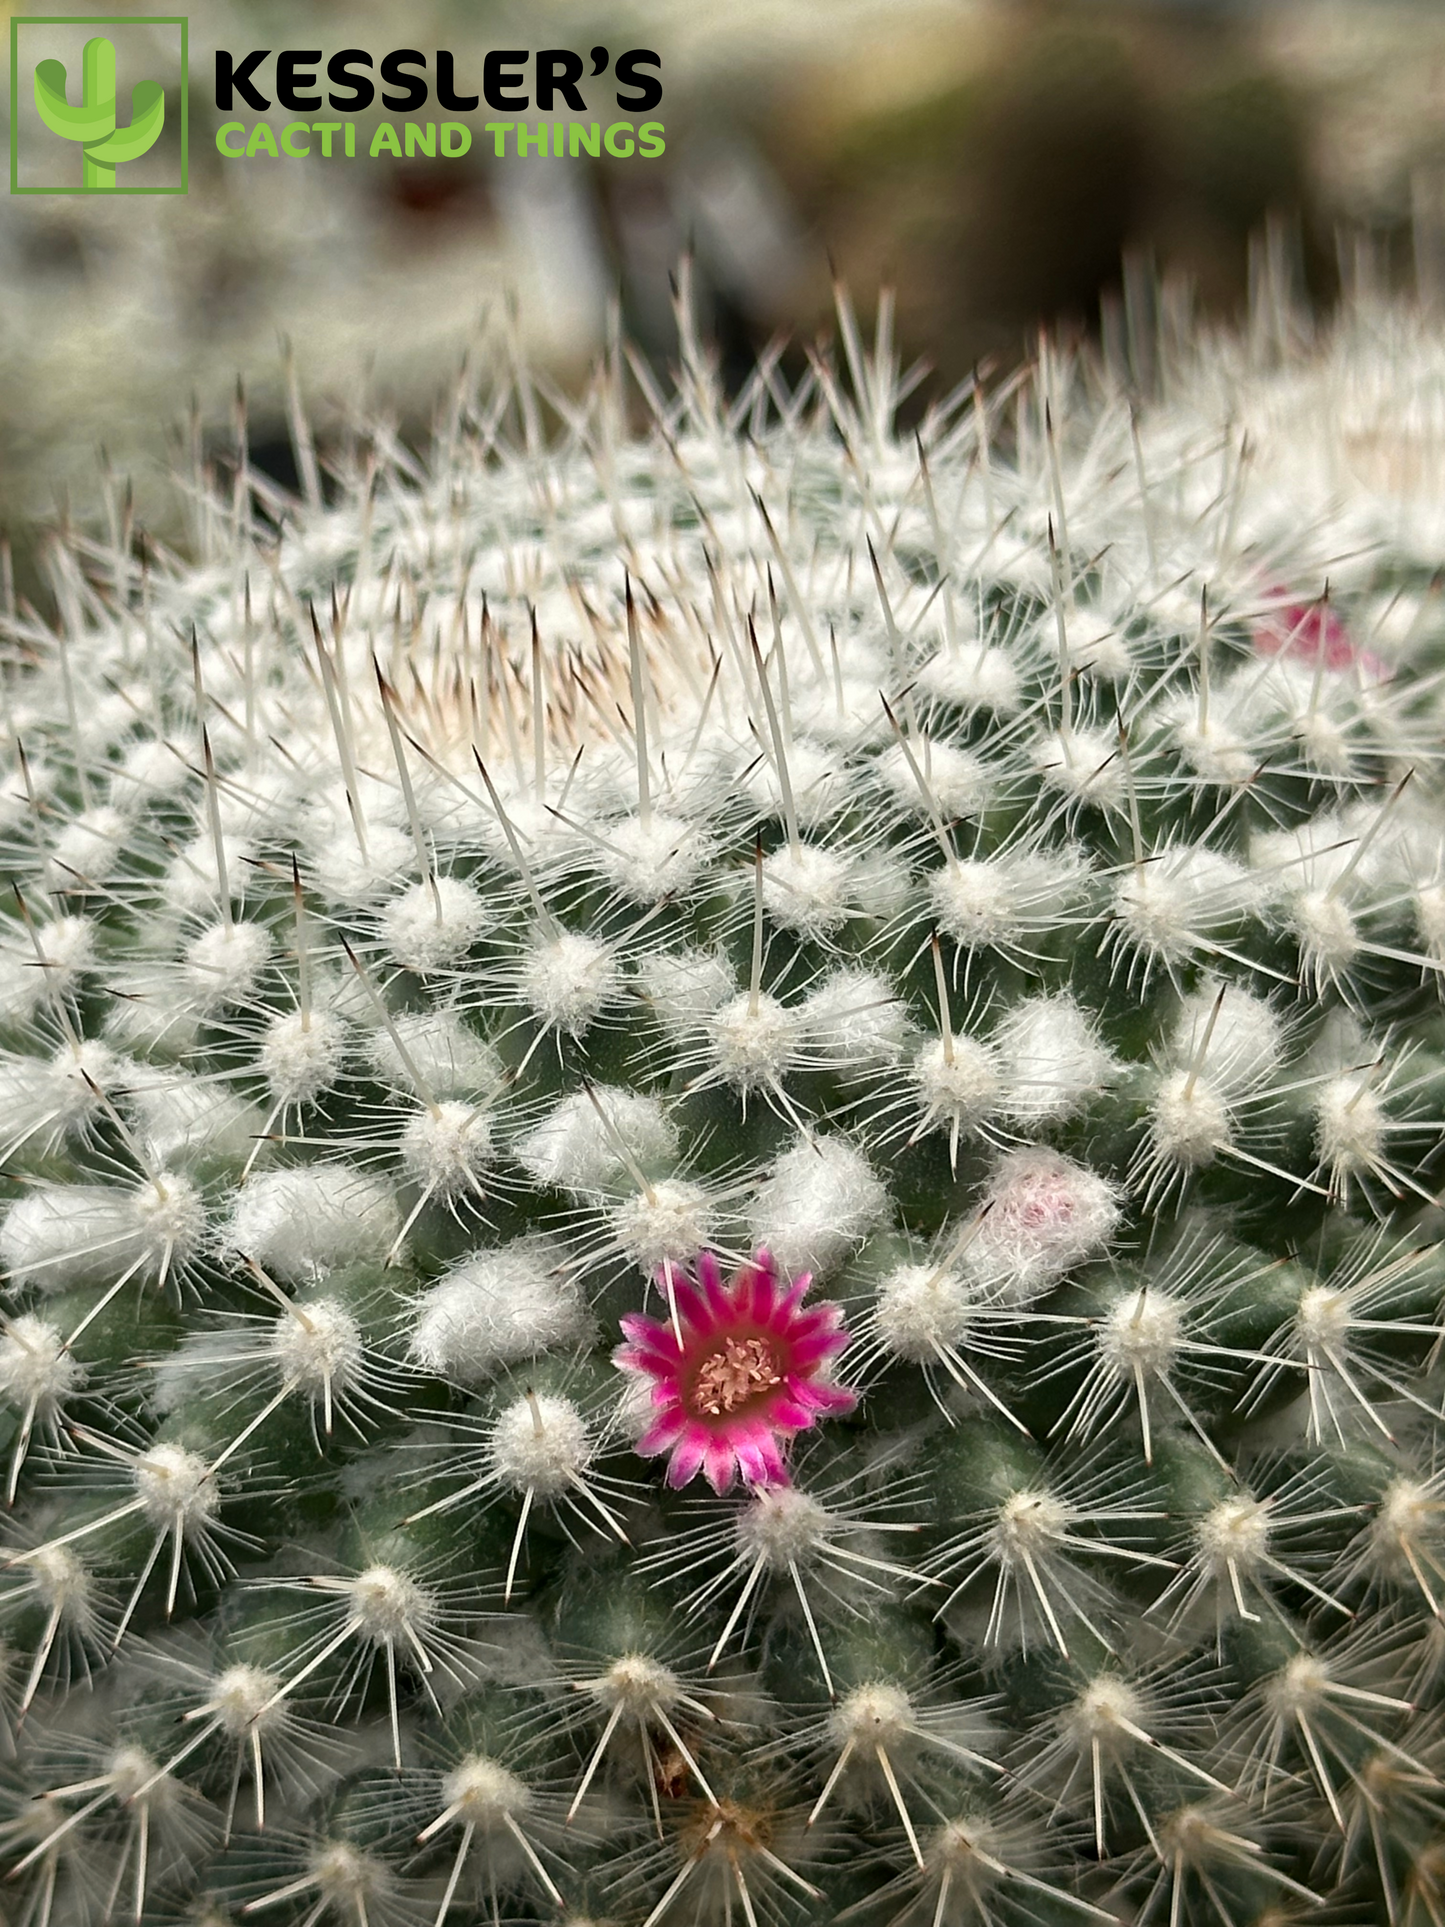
(19, 20)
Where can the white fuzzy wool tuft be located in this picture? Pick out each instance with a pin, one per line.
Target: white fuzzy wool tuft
(781, 1526)
(191, 1119)
(176, 1490)
(568, 981)
(955, 783)
(318, 1348)
(668, 1224)
(854, 1020)
(301, 1057)
(62, 1235)
(434, 924)
(1238, 1049)
(1041, 1214)
(958, 1081)
(450, 1058)
(574, 1149)
(495, 1309)
(755, 1041)
(540, 1444)
(88, 849)
(923, 1307)
(37, 1371)
(303, 1222)
(1050, 1060)
(809, 890)
(684, 988)
(223, 965)
(650, 862)
(446, 1148)
(821, 1199)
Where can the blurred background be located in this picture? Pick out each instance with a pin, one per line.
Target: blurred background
(1002, 164)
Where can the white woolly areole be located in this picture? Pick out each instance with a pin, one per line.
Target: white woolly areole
(638, 1684)
(58, 1093)
(1086, 765)
(182, 1118)
(1430, 919)
(1050, 1060)
(68, 947)
(1237, 1050)
(346, 874)
(495, 1309)
(921, 1308)
(1141, 1331)
(781, 1526)
(1328, 936)
(307, 1220)
(683, 988)
(855, 1020)
(817, 776)
(61, 1235)
(650, 862)
(575, 1150)
(62, 1584)
(87, 849)
(540, 1444)
(821, 1199)
(193, 878)
(318, 1349)
(669, 1223)
(754, 1041)
(1101, 1715)
(998, 900)
(433, 924)
(175, 1489)
(973, 678)
(244, 1700)
(955, 782)
(389, 1606)
(1041, 1214)
(1233, 1537)
(1350, 1126)
(446, 1146)
(1189, 1121)
(224, 963)
(300, 1055)
(567, 981)
(451, 1060)
(1094, 643)
(1166, 908)
(37, 1372)
(877, 1715)
(481, 1792)
(958, 1082)
(808, 890)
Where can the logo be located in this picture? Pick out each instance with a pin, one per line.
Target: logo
(67, 135)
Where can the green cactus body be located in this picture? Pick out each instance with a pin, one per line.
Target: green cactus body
(721, 1157)
(105, 146)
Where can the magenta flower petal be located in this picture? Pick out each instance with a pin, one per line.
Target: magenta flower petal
(750, 1373)
(687, 1455)
(719, 1464)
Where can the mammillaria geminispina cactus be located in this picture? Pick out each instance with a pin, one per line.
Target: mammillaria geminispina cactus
(722, 1126)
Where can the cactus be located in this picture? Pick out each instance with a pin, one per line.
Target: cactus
(104, 145)
(723, 1147)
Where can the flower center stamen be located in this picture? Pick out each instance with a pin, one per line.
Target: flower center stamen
(743, 1368)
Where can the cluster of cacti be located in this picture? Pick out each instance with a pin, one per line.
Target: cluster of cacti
(896, 971)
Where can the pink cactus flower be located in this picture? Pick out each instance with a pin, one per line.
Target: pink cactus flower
(743, 1370)
(1311, 632)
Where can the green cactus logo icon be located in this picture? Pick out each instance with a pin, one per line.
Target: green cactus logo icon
(104, 145)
